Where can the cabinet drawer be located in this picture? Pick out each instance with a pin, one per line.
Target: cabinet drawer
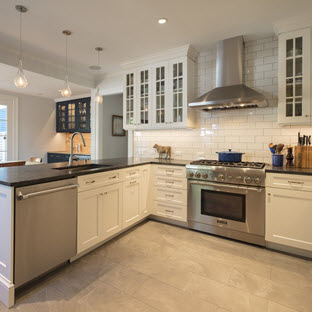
(289, 181)
(169, 171)
(170, 211)
(98, 179)
(174, 196)
(131, 173)
(171, 183)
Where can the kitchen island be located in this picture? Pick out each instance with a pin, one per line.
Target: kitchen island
(91, 187)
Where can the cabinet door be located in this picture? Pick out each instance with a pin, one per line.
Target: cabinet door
(131, 202)
(111, 210)
(178, 91)
(294, 77)
(82, 115)
(161, 114)
(288, 218)
(89, 219)
(143, 105)
(61, 117)
(145, 191)
(130, 118)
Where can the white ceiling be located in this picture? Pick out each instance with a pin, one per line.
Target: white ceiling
(128, 28)
(39, 85)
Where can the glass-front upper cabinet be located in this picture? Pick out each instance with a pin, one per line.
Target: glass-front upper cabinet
(73, 115)
(145, 99)
(160, 94)
(294, 77)
(129, 100)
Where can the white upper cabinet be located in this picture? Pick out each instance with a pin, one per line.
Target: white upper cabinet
(156, 94)
(294, 105)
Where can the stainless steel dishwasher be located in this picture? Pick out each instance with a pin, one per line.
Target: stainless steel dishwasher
(45, 228)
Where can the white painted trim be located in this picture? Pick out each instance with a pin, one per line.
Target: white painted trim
(186, 50)
(14, 102)
(74, 97)
(7, 292)
(130, 143)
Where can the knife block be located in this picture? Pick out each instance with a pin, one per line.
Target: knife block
(303, 157)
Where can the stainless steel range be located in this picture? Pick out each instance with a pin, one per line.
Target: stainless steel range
(227, 199)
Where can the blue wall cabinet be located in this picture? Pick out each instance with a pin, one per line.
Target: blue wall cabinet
(73, 115)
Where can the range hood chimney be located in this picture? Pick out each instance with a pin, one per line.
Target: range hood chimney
(230, 92)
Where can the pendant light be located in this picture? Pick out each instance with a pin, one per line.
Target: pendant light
(66, 92)
(20, 80)
(98, 98)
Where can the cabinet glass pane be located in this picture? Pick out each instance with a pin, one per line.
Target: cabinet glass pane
(180, 115)
(175, 100)
(144, 97)
(299, 46)
(178, 93)
(289, 47)
(180, 69)
(298, 107)
(175, 70)
(289, 68)
(298, 87)
(298, 67)
(289, 107)
(289, 87)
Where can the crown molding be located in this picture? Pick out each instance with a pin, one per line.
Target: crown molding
(292, 23)
(186, 50)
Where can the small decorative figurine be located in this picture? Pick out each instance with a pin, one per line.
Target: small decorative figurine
(163, 149)
(290, 156)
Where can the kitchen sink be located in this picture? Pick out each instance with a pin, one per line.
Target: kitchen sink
(82, 167)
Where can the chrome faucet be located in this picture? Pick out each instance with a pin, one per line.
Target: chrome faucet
(71, 157)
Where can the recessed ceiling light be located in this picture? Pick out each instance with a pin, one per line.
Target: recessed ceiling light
(162, 20)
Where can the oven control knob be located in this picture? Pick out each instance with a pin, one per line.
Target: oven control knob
(248, 179)
(197, 175)
(221, 177)
(257, 180)
(239, 179)
(205, 175)
(191, 174)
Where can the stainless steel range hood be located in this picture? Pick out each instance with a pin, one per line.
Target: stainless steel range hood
(230, 92)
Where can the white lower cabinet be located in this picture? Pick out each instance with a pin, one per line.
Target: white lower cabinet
(146, 190)
(111, 210)
(289, 211)
(131, 193)
(89, 219)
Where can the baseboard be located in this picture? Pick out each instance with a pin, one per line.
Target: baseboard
(168, 221)
(290, 250)
(7, 292)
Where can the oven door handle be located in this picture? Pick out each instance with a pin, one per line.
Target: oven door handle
(247, 188)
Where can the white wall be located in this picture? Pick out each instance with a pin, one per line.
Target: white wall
(245, 130)
(112, 146)
(36, 127)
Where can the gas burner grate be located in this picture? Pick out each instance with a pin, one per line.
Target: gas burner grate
(207, 162)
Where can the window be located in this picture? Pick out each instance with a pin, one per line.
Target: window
(8, 128)
(3, 132)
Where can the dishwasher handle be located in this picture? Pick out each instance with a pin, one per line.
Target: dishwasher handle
(21, 196)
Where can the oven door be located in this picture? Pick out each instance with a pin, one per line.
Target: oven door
(234, 207)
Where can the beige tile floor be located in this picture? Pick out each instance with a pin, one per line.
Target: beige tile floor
(159, 267)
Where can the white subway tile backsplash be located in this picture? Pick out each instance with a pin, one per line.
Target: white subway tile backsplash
(246, 130)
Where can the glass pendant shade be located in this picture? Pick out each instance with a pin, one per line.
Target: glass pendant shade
(98, 98)
(20, 80)
(66, 92)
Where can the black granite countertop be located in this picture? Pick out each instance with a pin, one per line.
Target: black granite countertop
(288, 170)
(34, 174)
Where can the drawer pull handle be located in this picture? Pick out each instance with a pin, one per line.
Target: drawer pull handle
(133, 182)
(170, 171)
(169, 210)
(111, 178)
(170, 182)
(168, 195)
(105, 193)
(132, 173)
(295, 182)
(90, 182)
